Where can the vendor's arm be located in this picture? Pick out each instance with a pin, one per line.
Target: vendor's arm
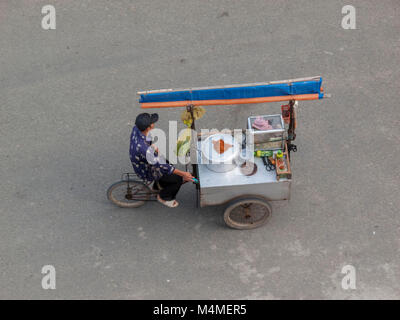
(187, 176)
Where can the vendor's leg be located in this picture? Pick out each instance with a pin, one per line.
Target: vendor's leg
(170, 185)
(156, 186)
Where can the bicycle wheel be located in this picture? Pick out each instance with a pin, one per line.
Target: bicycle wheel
(128, 194)
(247, 213)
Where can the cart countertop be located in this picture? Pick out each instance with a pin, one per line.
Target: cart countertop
(211, 179)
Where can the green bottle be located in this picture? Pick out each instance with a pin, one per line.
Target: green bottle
(263, 153)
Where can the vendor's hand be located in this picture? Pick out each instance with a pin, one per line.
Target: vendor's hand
(187, 176)
(155, 148)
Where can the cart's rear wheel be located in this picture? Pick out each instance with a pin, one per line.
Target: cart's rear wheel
(247, 213)
(128, 194)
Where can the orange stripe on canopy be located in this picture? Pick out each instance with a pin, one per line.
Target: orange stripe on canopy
(174, 104)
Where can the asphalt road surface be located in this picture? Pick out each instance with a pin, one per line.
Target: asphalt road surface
(67, 105)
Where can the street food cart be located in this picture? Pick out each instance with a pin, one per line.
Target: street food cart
(244, 168)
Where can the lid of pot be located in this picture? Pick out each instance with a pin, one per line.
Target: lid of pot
(220, 148)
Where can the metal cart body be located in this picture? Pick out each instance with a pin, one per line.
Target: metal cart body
(218, 188)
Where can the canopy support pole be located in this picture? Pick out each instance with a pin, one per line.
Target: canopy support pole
(292, 127)
(189, 108)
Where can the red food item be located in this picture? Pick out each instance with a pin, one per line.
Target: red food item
(281, 164)
(221, 146)
(285, 113)
(261, 124)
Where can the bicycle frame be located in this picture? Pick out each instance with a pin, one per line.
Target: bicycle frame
(127, 177)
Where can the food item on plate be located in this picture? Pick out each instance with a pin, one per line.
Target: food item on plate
(221, 146)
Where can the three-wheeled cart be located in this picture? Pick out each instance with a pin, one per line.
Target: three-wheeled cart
(255, 177)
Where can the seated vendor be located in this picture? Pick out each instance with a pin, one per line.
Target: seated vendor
(166, 177)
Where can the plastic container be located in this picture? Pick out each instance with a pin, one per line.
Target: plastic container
(274, 130)
(280, 161)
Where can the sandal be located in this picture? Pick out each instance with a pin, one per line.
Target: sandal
(170, 203)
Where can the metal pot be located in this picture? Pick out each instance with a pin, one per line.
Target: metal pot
(220, 162)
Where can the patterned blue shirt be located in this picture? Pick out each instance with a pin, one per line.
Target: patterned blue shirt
(139, 151)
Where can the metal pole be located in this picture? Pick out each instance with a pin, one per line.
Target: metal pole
(291, 129)
(189, 108)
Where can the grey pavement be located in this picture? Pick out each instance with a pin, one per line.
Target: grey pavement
(67, 105)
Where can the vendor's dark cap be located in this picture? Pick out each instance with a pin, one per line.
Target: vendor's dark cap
(144, 120)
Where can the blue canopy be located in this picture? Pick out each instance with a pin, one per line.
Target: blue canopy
(237, 92)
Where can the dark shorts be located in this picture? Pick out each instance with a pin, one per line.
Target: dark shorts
(170, 184)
